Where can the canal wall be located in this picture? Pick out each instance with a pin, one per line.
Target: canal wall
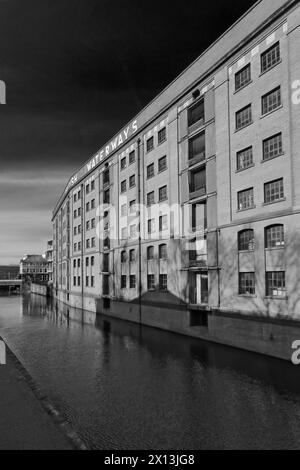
(265, 335)
(40, 289)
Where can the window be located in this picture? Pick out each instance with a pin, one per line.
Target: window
(132, 282)
(132, 181)
(162, 135)
(246, 240)
(93, 204)
(74, 281)
(132, 231)
(274, 191)
(123, 257)
(132, 206)
(197, 147)
(243, 77)
(124, 210)
(88, 244)
(162, 164)
(123, 282)
(75, 214)
(150, 199)
(272, 147)
(198, 180)
(151, 282)
(270, 58)
(196, 113)
(79, 229)
(274, 236)
(75, 231)
(150, 171)
(92, 261)
(243, 117)
(151, 226)
(93, 242)
(150, 144)
(246, 199)
(87, 189)
(93, 185)
(79, 246)
(92, 281)
(163, 252)
(79, 212)
(275, 284)
(93, 223)
(199, 217)
(87, 225)
(163, 223)
(163, 282)
(132, 256)
(78, 281)
(105, 263)
(79, 263)
(74, 263)
(75, 246)
(123, 163)
(87, 207)
(245, 159)
(75, 198)
(79, 195)
(271, 101)
(106, 197)
(150, 253)
(123, 186)
(87, 281)
(106, 177)
(87, 261)
(163, 193)
(131, 157)
(247, 284)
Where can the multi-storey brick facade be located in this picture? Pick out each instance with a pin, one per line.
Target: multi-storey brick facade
(220, 146)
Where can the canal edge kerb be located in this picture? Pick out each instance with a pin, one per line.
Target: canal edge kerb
(46, 404)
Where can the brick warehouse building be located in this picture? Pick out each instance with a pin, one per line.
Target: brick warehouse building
(220, 145)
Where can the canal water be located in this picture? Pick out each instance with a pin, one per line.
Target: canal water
(125, 387)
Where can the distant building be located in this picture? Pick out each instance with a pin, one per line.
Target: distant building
(34, 268)
(9, 272)
(49, 259)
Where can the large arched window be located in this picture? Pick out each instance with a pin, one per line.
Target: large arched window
(246, 240)
(163, 252)
(123, 257)
(274, 236)
(150, 253)
(132, 256)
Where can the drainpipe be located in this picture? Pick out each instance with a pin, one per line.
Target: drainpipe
(140, 226)
(82, 243)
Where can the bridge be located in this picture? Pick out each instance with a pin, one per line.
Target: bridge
(10, 285)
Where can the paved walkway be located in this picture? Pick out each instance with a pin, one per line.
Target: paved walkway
(24, 423)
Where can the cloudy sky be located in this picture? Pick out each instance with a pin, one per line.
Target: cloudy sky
(75, 72)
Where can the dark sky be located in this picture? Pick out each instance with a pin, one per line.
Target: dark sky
(76, 71)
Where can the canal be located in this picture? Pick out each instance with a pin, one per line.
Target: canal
(125, 387)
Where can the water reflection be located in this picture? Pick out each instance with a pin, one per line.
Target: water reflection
(126, 387)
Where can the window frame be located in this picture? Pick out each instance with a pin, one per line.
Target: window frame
(264, 54)
(281, 190)
(245, 82)
(273, 242)
(243, 289)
